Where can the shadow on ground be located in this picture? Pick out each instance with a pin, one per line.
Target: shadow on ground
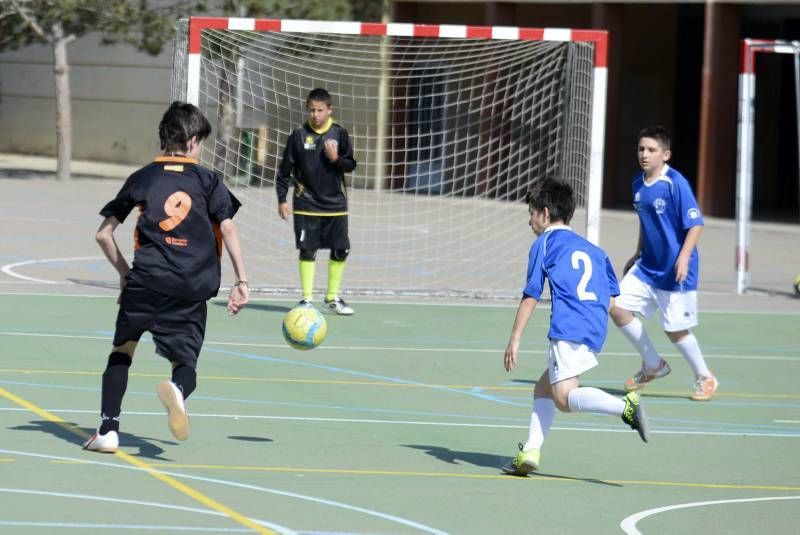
(70, 432)
(491, 461)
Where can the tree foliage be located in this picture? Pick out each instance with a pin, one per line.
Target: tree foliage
(139, 23)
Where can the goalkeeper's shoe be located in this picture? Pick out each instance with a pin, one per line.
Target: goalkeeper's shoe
(108, 443)
(704, 388)
(524, 463)
(633, 415)
(337, 306)
(644, 376)
(177, 419)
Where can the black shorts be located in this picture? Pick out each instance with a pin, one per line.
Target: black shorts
(313, 232)
(178, 327)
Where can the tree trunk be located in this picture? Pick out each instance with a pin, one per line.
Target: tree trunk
(63, 108)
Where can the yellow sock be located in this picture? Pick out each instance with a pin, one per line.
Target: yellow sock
(307, 278)
(335, 273)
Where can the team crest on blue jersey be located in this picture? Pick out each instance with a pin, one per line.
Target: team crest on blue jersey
(693, 213)
(660, 205)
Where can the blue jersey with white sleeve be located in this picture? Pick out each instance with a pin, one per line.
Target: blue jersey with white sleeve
(667, 209)
(581, 280)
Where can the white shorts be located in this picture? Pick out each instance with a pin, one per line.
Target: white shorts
(568, 359)
(678, 309)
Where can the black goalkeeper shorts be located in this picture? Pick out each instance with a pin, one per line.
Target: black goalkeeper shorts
(313, 232)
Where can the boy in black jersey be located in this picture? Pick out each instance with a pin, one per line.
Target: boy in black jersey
(185, 214)
(317, 155)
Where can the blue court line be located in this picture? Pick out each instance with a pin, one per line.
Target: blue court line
(356, 373)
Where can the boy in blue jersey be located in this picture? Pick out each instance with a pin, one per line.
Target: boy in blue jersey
(315, 159)
(662, 274)
(582, 288)
(185, 214)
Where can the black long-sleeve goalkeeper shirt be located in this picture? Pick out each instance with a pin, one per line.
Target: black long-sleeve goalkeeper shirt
(319, 186)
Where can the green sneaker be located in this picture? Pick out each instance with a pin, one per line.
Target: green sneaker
(633, 415)
(524, 463)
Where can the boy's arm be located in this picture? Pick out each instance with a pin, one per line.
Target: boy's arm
(524, 313)
(345, 160)
(283, 179)
(682, 263)
(105, 238)
(240, 294)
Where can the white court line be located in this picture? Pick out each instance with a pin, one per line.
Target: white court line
(786, 421)
(412, 349)
(321, 501)
(270, 525)
(8, 269)
(420, 422)
(628, 525)
(512, 303)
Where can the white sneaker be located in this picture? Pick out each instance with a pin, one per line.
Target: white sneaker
(172, 398)
(337, 306)
(108, 443)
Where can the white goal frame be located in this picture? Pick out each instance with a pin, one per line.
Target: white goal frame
(746, 134)
(600, 80)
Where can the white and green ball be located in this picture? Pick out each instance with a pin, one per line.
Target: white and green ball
(304, 327)
(797, 285)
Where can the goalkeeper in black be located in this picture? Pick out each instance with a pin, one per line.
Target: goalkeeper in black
(316, 157)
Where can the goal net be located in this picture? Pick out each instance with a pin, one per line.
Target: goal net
(746, 143)
(451, 126)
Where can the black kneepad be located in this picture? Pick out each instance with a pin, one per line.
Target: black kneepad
(307, 254)
(339, 255)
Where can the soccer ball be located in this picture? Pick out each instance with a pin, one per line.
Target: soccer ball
(304, 327)
(797, 286)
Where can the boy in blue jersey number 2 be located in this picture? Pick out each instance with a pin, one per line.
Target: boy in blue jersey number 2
(662, 274)
(582, 289)
(185, 214)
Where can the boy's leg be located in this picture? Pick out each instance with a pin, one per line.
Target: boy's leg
(178, 334)
(636, 296)
(679, 314)
(529, 457)
(114, 385)
(594, 400)
(307, 268)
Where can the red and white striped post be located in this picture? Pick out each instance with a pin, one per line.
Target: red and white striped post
(746, 130)
(600, 79)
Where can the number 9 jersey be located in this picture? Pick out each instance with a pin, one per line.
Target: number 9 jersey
(581, 280)
(177, 240)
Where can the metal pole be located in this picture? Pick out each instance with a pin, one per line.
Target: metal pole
(796, 47)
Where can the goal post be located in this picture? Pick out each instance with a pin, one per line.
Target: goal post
(750, 48)
(451, 126)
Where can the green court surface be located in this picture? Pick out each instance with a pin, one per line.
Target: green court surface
(398, 423)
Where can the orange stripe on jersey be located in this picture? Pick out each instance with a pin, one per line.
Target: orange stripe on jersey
(218, 236)
(176, 159)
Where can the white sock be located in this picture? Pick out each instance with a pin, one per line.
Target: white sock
(589, 399)
(634, 331)
(690, 350)
(544, 410)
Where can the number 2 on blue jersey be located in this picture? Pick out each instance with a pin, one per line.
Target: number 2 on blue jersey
(580, 258)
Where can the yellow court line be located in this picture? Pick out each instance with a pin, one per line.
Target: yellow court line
(671, 393)
(535, 477)
(172, 482)
(7, 460)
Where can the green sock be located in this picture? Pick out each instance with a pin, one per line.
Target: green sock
(335, 273)
(307, 278)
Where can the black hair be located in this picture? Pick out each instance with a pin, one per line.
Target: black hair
(180, 123)
(556, 195)
(659, 133)
(319, 95)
